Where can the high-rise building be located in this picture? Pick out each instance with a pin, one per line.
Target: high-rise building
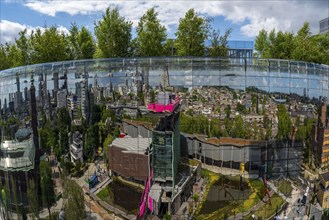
(165, 83)
(166, 150)
(17, 82)
(34, 115)
(61, 98)
(72, 105)
(324, 25)
(165, 160)
(320, 137)
(55, 77)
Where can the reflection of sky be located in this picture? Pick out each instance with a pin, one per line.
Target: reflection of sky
(233, 76)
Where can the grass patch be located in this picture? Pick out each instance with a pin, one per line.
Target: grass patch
(285, 187)
(236, 206)
(268, 210)
(258, 189)
(193, 162)
(211, 179)
(105, 195)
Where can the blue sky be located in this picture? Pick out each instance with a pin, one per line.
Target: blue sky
(246, 18)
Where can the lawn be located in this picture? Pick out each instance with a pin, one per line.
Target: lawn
(117, 192)
(104, 195)
(268, 210)
(285, 187)
(232, 207)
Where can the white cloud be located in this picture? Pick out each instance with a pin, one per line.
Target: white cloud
(10, 30)
(252, 15)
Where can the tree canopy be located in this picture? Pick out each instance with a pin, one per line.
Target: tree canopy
(112, 38)
(191, 34)
(301, 46)
(151, 35)
(113, 34)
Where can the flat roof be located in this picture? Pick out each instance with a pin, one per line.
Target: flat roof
(133, 145)
(234, 141)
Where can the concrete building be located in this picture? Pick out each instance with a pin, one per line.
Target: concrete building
(320, 137)
(72, 106)
(324, 25)
(323, 190)
(130, 157)
(229, 152)
(76, 148)
(61, 98)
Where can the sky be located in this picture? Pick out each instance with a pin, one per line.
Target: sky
(245, 17)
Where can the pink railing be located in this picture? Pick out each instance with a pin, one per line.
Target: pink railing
(146, 200)
(156, 107)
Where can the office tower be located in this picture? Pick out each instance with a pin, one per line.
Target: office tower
(165, 78)
(17, 83)
(26, 94)
(55, 77)
(34, 116)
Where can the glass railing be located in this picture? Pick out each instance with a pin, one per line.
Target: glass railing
(260, 119)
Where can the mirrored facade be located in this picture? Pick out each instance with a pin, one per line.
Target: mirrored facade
(249, 122)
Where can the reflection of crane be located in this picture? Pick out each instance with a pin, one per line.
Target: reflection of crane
(265, 183)
(225, 186)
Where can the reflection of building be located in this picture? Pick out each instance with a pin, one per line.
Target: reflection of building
(165, 83)
(323, 190)
(320, 137)
(165, 160)
(229, 152)
(72, 105)
(17, 161)
(324, 25)
(76, 148)
(240, 49)
(129, 158)
(61, 98)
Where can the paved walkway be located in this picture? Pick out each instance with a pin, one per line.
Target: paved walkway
(228, 171)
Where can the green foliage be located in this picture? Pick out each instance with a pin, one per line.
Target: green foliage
(32, 198)
(116, 132)
(196, 197)
(107, 113)
(47, 185)
(73, 199)
(47, 137)
(106, 195)
(219, 46)
(108, 140)
(285, 187)
(63, 119)
(241, 108)
(284, 125)
(150, 34)
(228, 111)
(86, 43)
(302, 46)
(48, 45)
(24, 46)
(91, 142)
(191, 34)
(113, 34)
(200, 125)
(97, 114)
(81, 43)
(152, 96)
(169, 48)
